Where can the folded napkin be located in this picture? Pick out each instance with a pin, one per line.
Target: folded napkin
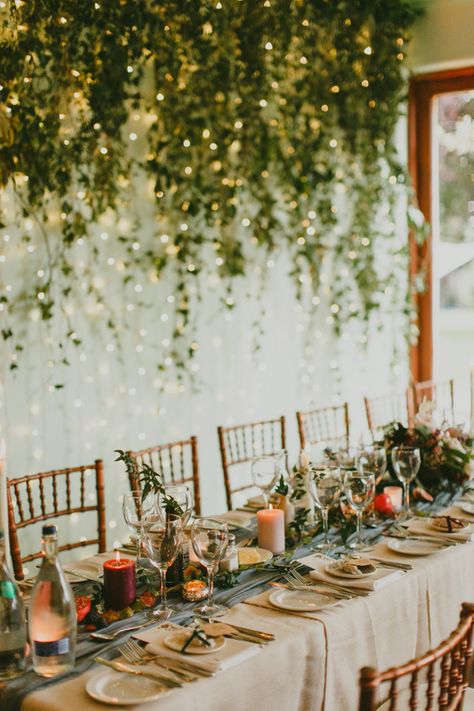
(240, 519)
(379, 579)
(423, 527)
(234, 651)
(91, 568)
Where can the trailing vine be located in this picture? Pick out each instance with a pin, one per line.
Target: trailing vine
(240, 129)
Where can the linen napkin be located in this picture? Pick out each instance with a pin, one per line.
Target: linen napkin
(234, 651)
(239, 519)
(381, 577)
(418, 526)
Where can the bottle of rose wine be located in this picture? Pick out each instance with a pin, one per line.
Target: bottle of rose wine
(52, 613)
(12, 622)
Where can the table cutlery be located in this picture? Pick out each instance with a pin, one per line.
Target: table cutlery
(135, 654)
(333, 594)
(299, 579)
(125, 668)
(255, 633)
(108, 636)
(393, 563)
(83, 576)
(434, 539)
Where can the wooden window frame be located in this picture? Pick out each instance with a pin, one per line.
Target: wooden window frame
(423, 88)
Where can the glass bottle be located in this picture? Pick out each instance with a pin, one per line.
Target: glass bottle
(52, 613)
(12, 622)
(231, 560)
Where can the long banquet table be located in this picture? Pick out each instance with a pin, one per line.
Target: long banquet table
(315, 660)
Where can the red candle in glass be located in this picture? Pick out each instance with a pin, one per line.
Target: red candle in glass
(120, 588)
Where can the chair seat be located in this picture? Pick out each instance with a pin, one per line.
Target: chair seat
(404, 699)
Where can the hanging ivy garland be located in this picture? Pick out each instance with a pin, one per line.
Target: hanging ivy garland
(261, 126)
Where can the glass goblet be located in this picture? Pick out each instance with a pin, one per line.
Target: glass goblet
(406, 463)
(162, 541)
(209, 540)
(325, 487)
(176, 499)
(265, 472)
(358, 488)
(372, 459)
(135, 508)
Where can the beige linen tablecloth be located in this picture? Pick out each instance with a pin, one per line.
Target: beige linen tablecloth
(314, 663)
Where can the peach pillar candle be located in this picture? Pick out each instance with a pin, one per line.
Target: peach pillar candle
(271, 530)
(394, 493)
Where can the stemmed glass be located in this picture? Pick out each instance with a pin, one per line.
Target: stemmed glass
(265, 472)
(209, 540)
(182, 496)
(162, 541)
(358, 488)
(406, 463)
(325, 486)
(372, 459)
(135, 509)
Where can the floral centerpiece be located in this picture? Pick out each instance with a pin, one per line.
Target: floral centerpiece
(447, 453)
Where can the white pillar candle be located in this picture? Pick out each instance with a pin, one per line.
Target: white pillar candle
(394, 493)
(271, 530)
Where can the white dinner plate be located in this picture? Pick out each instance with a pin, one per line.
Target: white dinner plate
(335, 569)
(467, 507)
(300, 600)
(176, 641)
(254, 556)
(408, 547)
(120, 689)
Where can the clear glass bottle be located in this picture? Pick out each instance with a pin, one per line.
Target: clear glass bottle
(12, 622)
(52, 613)
(231, 560)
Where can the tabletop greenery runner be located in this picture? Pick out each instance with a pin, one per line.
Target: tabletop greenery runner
(250, 127)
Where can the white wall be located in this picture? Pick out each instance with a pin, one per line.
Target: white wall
(444, 36)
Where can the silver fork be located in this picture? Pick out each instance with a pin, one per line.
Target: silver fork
(135, 654)
(342, 590)
(295, 585)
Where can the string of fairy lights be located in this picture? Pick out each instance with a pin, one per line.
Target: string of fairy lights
(172, 224)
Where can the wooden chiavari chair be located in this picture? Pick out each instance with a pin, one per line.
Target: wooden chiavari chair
(176, 462)
(446, 668)
(441, 393)
(242, 443)
(394, 407)
(325, 425)
(54, 494)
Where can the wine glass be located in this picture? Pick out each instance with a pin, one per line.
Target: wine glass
(162, 541)
(372, 459)
(265, 472)
(135, 508)
(325, 486)
(346, 458)
(176, 499)
(406, 463)
(358, 488)
(209, 540)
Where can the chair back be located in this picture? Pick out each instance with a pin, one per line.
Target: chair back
(383, 409)
(441, 393)
(328, 425)
(242, 443)
(54, 494)
(175, 462)
(446, 669)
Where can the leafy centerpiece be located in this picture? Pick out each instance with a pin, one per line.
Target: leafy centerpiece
(447, 453)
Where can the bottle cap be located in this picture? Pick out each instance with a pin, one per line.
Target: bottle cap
(50, 529)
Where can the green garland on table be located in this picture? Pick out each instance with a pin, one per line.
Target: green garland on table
(250, 128)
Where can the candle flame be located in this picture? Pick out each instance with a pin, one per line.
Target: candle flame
(117, 556)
